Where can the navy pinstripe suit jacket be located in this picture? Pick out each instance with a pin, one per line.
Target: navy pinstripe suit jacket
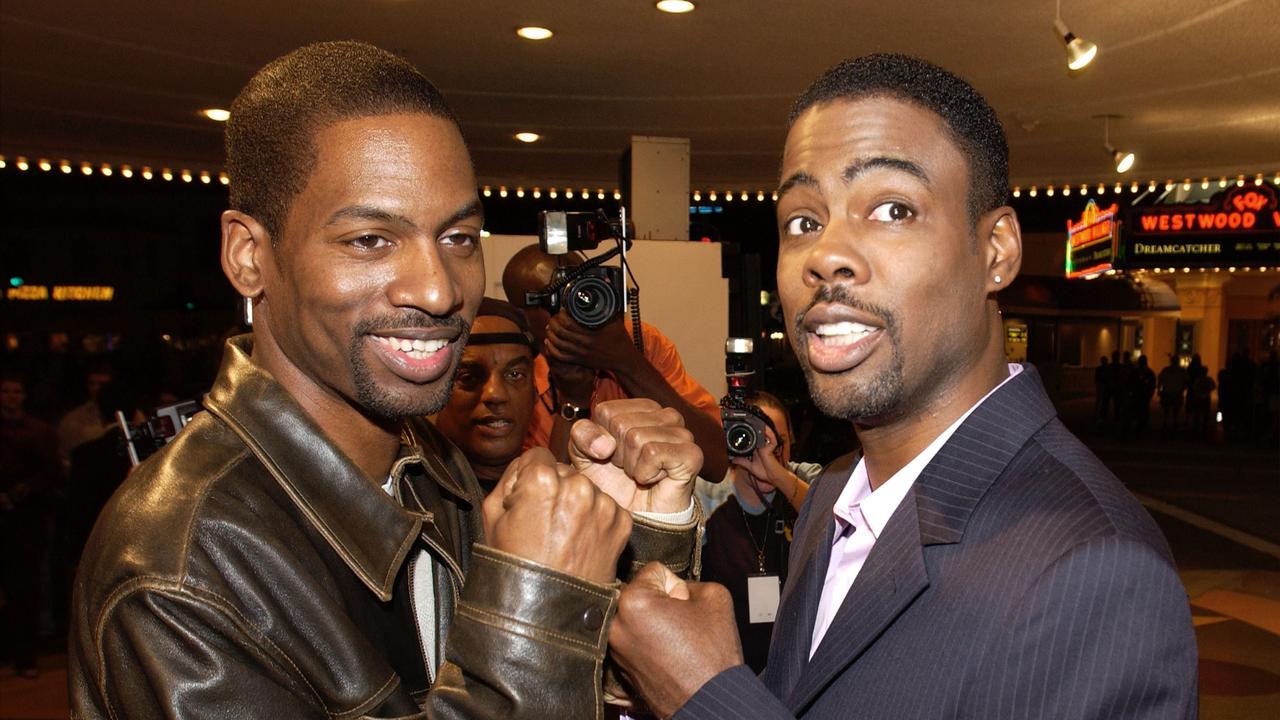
(1017, 579)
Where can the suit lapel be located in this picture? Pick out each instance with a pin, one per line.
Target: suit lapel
(892, 577)
(935, 511)
(810, 554)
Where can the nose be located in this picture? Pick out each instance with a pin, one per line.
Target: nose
(495, 391)
(835, 256)
(423, 280)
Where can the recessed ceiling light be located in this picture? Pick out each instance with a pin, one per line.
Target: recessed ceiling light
(217, 114)
(675, 6)
(533, 32)
(528, 137)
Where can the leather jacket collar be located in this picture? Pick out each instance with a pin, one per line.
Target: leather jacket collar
(366, 527)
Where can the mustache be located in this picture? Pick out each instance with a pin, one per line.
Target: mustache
(840, 295)
(412, 319)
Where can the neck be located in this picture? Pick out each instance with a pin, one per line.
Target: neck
(488, 473)
(888, 448)
(370, 444)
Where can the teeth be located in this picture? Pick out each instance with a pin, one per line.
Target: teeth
(416, 349)
(842, 333)
(842, 328)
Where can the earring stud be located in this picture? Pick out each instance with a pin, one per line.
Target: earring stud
(996, 279)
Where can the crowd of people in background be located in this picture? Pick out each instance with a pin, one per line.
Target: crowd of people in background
(1244, 398)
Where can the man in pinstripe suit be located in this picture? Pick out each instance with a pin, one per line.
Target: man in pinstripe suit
(976, 561)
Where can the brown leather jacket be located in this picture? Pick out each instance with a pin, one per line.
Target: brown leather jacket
(250, 570)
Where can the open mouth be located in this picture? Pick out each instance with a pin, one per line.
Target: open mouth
(838, 338)
(495, 426)
(418, 360)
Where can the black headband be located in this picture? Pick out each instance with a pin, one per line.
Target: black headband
(506, 338)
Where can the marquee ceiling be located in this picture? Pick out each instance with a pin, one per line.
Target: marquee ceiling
(1196, 81)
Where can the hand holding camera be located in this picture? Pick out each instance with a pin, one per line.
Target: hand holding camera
(607, 347)
(639, 453)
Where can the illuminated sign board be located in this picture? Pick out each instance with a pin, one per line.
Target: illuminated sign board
(1091, 241)
(1239, 226)
(62, 293)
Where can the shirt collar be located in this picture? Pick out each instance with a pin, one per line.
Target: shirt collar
(858, 505)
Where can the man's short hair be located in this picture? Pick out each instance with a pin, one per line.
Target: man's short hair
(270, 138)
(973, 123)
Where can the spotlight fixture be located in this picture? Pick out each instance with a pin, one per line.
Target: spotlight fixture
(216, 114)
(533, 32)
(675, 7)
(528, 137)
(1123, 159)
(1080, 52)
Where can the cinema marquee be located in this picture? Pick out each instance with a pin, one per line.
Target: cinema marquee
(1237, 227)
(1091, 241)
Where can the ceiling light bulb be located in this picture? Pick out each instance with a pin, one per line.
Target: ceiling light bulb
(537, 193)
(1102, 189)
(1066, 190)
(1017, 192)
(599, 193)
(743, 196)
(528, 137)
(224, 178)
(216, 114)
(760, 196)
(1133, 187)
(205, 177)
(22, 164)
(1033, 191)
(1049, 192)
(697, 196)
(775, 196)
(86, 168)
(167, 174)
(147, 174)
(712, 196)
(1124, 160)
(552, 193)
(533, 32)
(65, 167)
(519, 192)
(502, 191)
(675, 7)
(46, 166)
(1080, 52)
(617, 194)
(568, 192)
(126, 171)
(1204, 183)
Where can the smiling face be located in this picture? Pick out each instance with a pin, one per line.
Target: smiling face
(492, 401)
(881, 275)
(370, 290)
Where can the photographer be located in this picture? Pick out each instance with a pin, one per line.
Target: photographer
(579, 367)
(748, 536)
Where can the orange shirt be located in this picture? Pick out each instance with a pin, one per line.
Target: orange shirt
(660, 352)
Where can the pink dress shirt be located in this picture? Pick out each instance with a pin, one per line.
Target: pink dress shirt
(860, 517)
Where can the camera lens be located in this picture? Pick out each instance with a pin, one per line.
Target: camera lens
(591, 301)
(741, 438)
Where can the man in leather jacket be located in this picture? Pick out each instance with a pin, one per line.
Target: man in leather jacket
(308, 546)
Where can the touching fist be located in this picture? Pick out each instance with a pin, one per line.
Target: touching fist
(553, 515)
(639, 453)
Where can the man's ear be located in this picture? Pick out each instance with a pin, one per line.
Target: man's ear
(246, 250)
(1002, 248)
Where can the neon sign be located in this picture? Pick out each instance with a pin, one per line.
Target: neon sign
(1240, 226)
(62, 293)
(1091, 241)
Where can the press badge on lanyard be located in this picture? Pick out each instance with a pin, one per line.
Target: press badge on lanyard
(762, 598)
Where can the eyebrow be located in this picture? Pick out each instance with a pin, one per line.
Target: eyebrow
(377, 214)
(856, 168)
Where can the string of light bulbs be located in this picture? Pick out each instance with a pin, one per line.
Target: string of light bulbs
(85, 168)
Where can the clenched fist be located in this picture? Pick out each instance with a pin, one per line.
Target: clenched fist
(639, 453)
(553, 515)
